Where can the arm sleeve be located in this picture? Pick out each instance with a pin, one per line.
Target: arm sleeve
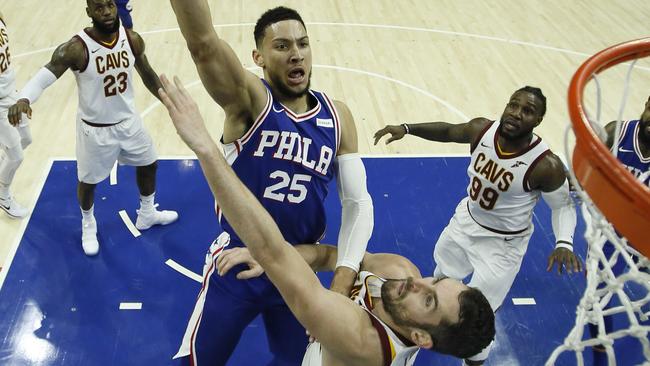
(563, 213)
(37, 84)
(357, 211)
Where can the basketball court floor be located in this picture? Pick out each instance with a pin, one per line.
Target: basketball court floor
(391, 62)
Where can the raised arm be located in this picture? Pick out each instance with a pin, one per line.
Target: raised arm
(238, 92)
(146, 72)
(70, 55)
(357, 218)
(463, 133)
(328, 316)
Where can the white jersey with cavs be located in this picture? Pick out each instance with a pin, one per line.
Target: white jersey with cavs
(397, 350)
(105, 85)
(500, 198)
(108, 126)
(7, 73)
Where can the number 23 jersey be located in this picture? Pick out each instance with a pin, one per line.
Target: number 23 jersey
(500, 199)
(105, 84)
(287, 162)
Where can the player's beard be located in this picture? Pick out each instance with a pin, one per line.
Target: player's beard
(393, 304)
(513, 135)
(101, 28)
(286, 91)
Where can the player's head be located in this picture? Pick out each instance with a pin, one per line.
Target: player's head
(283, 51)
(645, 122)
(104, 15)
(441, 314)
(524, 111)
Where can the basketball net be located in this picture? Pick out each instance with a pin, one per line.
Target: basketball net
(603, 285)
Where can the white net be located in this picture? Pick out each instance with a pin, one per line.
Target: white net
(618, 283)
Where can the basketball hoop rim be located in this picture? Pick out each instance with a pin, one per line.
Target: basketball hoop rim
(589, 149)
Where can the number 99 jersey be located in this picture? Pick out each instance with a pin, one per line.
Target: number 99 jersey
(105, 84)
(500, 199)
(287, 162)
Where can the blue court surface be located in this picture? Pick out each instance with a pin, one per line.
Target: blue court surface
(59, 307)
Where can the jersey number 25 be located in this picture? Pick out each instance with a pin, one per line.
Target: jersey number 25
(296, 183)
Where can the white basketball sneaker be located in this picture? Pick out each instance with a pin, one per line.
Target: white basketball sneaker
(89, 241)
(13, 209)
(149, 218)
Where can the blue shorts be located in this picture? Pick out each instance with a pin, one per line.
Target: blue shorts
(224, 308)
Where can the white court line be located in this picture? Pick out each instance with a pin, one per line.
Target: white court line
(184, 271)
(130, 306)
(129, 224)
(448, 105)
(382, 26)
(523, 301)
(113, 178)
(21, 231)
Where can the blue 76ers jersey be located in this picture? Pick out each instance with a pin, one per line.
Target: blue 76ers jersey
(287, 162)
(629, 152)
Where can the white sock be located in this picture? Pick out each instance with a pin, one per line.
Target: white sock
(146, 202)
(4, 191)
(88, 215)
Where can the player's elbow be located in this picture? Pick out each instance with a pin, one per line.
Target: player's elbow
(203, 48)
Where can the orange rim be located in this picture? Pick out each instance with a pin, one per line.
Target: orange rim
(623, 200)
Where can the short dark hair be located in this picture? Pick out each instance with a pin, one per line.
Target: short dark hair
(472, 333)
(273, 16)
(536, 92)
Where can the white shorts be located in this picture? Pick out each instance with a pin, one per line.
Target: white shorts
(10, 135)
(99, 147)
(464, 247)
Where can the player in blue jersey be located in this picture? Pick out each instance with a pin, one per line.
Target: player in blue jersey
(633, 151)
(393, 311)
(286, 142)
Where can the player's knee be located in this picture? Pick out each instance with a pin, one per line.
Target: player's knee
(15, 155)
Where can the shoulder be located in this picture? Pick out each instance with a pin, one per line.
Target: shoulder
(549, 173)
(72, 51)
(610, 129)
(343, 110)
(477, 126)
(136, 41)
(390, 266)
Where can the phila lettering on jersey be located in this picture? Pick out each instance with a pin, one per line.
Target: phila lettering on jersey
(105, 84)
(287, 161)
(500, 199)
(629, 152)
(7, 73)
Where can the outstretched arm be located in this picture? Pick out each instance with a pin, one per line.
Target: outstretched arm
(328, 316)
(68, 55)
(463, 133)
(237, 91)
(321, 258)
(146, 72)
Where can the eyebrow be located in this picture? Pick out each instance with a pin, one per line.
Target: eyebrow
(435, 295)
(289, 39)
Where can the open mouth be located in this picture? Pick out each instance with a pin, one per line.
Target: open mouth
(296, 76)
(510, 125)
(109, 22)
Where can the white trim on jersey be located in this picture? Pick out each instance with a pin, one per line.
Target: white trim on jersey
(337, 124)
(303, 116)
(637, 148)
